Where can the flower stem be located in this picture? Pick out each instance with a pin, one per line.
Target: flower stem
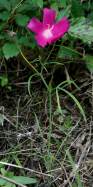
(32, 67)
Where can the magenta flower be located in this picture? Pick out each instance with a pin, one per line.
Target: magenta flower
(48, 31)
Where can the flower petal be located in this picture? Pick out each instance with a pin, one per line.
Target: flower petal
(35, 25)
(49, 16)
(42, 41)
(60, 28)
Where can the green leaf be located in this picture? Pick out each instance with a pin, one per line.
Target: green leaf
(14, 3)
(3, 81)
(2, 182)
(8, 184)
(67, 52)
(82, 28)
(21, 20)
(10, 50)
(64, 3)
(54, 6)
(23, 40)
(26, 6)
(24, 180)
(76, 8)
(5, 4)
(89, 62)
(38, 3)
(19, 179)
(4, 15)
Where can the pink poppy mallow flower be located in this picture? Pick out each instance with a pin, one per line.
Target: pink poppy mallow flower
(48, 31)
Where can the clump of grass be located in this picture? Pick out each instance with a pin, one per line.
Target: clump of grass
(44, 132)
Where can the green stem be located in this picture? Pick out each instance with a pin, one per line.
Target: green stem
(32, 67)
(50, 127)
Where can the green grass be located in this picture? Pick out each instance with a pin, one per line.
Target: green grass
(46, 108)
(40, 129)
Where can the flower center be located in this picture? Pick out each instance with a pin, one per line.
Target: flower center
(48, 32)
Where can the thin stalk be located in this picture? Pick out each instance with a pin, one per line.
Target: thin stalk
(50, 126)
(32, 67)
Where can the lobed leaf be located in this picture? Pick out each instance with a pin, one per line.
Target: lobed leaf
(10, 50)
